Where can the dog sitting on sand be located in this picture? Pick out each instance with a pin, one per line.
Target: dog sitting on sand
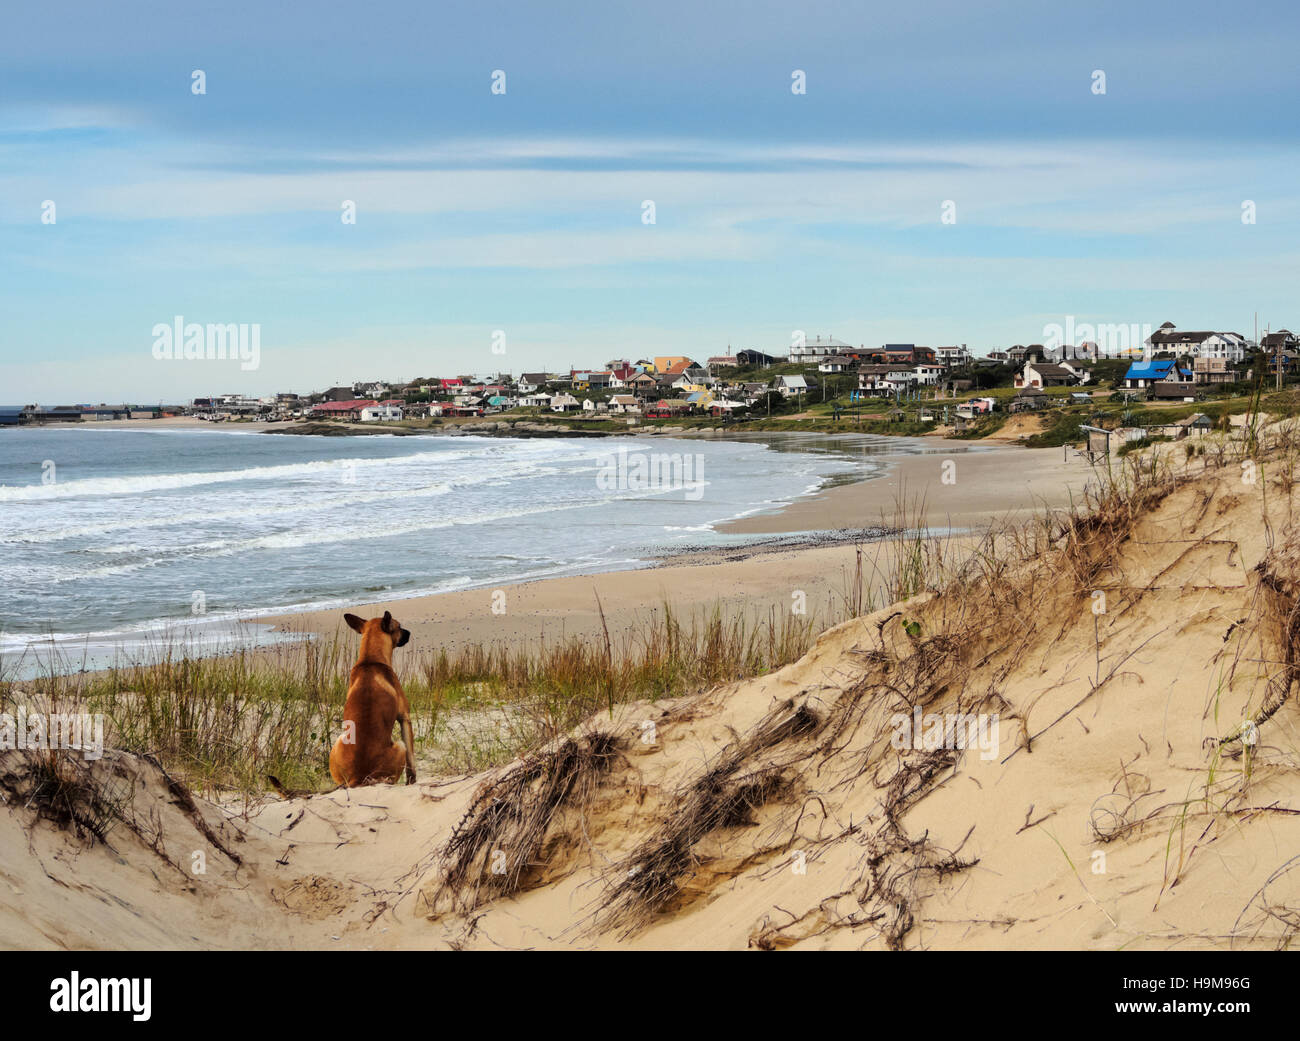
(367, 753)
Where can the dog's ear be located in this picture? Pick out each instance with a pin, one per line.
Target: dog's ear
(354, 622)
(388, 625)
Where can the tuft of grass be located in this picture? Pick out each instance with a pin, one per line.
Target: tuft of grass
(226, 723)
(64, 788)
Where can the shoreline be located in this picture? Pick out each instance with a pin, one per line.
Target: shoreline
(808, 548)
(803, 549)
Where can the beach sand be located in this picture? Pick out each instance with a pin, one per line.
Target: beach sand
(991, 488)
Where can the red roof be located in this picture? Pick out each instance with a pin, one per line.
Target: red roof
(344, 406)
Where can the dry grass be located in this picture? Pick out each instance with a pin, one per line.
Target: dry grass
(499, 841)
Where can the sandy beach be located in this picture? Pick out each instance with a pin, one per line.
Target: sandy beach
(780, 568)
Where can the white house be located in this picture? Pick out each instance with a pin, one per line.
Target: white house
(1229, 347)
(928, 375)
(381, 413)
(816, 349)
(1042, 374)
(788, 385)
(565, 403)
(536, 400)
(952, 357)
(1167, 339)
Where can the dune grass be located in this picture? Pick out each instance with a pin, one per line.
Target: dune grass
(227, 722)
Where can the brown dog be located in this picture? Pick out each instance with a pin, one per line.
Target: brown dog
(367, 753)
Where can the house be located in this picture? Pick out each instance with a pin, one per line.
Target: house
(667, 408)
(1168, 340)
(751, 357)
(380, 413)
(952, 357)
(535, 400)
(565, 403)
(817, 349)
(1166, 391)
(1214, 370)
(671, 363)
(1028, 399)
(928, 375)
(880, 381)
(591, 380)
(1227, 347)
(57, 414)
(897, 354)
(530, 381)
(1042, 374)
(1141, 374)
(1287, 361)
(722, 361)
(835, 364)
(624, 403)
(349, 410)
(1198, 424)
(788, 385)
(643, 383)
(340, 394)
(1282, 340)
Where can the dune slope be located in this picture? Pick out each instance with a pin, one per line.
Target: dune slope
(1109, 795)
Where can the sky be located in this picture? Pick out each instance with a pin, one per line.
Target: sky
(517, 220)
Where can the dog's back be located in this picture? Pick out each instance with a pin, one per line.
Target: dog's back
(367, 753)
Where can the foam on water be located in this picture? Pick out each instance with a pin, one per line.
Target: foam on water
(139, 525)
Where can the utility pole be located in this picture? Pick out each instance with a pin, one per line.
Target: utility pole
(1277, 359)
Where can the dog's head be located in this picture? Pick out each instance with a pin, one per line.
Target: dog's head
(388, 625)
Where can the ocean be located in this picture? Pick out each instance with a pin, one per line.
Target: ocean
(116, 542)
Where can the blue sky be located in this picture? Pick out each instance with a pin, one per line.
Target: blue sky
(522, 212)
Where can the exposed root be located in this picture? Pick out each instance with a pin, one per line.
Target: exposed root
(505, 828)
(724, 796)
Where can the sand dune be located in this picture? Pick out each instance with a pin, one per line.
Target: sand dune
(1104, 810)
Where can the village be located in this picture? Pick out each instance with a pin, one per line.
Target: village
(903, 383)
